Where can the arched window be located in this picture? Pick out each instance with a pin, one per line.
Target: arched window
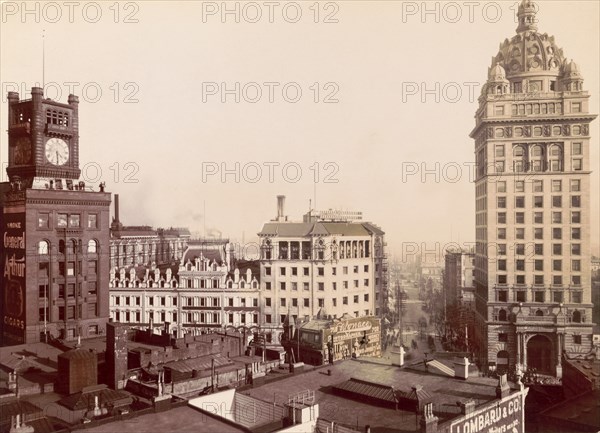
(538, 158)
(502, 316)
(92, 246)
(577, 316)
(43, 247)
(539, 313)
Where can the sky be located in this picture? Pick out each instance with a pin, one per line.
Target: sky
(199, 114)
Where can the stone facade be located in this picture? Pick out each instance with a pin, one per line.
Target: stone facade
(532, 264)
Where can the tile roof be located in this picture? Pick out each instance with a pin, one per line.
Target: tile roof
(363, 388)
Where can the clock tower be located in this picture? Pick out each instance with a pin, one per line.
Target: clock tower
(55, 228)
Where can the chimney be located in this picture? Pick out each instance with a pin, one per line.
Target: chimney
(280, 207)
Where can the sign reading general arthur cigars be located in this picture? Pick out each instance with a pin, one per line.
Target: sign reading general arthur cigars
(504, 416)
(13, 277)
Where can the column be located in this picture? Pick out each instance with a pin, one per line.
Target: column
(519, 348)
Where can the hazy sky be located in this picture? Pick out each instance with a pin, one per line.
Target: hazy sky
(159, 130)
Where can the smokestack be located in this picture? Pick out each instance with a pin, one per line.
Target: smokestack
(280, 207)
(117, 208)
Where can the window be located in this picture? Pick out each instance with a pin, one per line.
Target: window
(538, 201)
(366, 268)
(576, 249)
(282, 300)
(501, 186)
(307, 302)
(520, 279)
(556, 186)
(519, 186)
(502, 296)
(576, 297)
(576, 265)
(501, 265)
(500, 166)
(92, 246)
(503, 336)
(557, 280)
(321, 302)
(345, 300)
(576, 339)
(521, 296)
(356, 299)
(577, 164)
(501, 233)
(321, 286)
(575, 201)
(294, 271)
(92, 267)
(306, 272)
(501, 202)
(520, 218)
(501, 217)
(520, 201)
(556, 201)
(575, 107)
(501, 279)
(282, 271)
(556, 217)
(321, 271)
(576, 280)
(538, 296)
(43, 220)
(268, 285)
(575, 233)
(575, 185)
(520, 233)
(268, 318)
(556, 233)
(366, 282)
(499, 150)
(282, 285)
(538, 249)
(520, 249)
(557, 265)
(520, 265)
(538, 280)
(557, 296)
(305, 286)
(61, 220)
(295, 286)
(74, 220)
(557, 249)
(538, 265)
(538, 217)
(538, 186)
(267, 270)
(92, 221)
(267, 302)
(576, 217)
(294, 302)
(538, 233)
(334, 271)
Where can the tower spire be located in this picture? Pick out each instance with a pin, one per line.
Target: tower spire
(526, 16)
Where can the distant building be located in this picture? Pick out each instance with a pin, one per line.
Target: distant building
(458, 275)
(329, 264)
(532, 150)
(143, 245)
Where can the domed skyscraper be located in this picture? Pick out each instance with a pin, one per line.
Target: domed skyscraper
(532, 263)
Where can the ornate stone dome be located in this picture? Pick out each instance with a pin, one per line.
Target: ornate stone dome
(529, 51)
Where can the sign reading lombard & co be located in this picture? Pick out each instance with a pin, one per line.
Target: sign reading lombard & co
(500, 416)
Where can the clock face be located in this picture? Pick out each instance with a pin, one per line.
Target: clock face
(22, 151)
(57, 151)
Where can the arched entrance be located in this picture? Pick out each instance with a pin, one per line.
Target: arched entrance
(539, 354)
(502, 364)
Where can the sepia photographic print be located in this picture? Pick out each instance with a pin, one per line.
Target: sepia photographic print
(310, 216)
